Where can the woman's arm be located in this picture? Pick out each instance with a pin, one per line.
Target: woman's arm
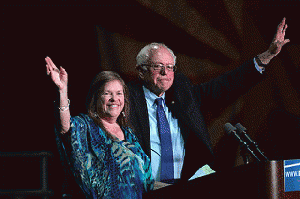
(60, 78)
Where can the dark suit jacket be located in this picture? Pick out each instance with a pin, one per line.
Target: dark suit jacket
(186, 102)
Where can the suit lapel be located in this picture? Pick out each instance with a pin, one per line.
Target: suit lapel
(187, 109)
(139, 116)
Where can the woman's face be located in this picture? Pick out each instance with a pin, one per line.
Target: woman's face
(112, 99)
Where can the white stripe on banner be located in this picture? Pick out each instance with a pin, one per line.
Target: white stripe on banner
(292, 165)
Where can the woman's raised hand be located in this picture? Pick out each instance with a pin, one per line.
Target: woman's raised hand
(58, 76)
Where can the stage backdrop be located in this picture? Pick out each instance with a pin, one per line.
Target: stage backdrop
(86, 37)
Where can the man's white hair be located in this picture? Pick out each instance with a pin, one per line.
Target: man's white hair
(145, 53)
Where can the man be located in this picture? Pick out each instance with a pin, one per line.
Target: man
(182, 103)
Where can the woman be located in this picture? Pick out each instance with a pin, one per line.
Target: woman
(105, 157)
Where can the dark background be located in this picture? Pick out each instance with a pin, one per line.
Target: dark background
(86, 37)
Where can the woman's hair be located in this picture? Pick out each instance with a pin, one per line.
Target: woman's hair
(95, 91)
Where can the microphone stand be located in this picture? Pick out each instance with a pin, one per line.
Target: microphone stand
(251, 144)
(244, 145)
(244, 155)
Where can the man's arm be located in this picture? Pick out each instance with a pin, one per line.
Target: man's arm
(229, 86)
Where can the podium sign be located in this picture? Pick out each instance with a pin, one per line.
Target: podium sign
(292, 175)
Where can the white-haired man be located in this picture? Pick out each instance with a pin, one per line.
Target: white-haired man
(182, 102)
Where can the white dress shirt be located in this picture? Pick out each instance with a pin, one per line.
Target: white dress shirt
(177, 140)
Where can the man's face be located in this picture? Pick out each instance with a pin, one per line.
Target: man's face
(159, 81)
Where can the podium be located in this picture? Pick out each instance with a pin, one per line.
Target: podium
(254, 180)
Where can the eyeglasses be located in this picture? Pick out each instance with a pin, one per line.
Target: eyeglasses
(159, 67)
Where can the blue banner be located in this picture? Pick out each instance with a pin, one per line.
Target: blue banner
(292, 175)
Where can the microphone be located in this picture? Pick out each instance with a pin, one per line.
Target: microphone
(232, 130)
(242, 131)
(244, 145)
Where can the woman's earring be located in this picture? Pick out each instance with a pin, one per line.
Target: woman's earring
(123, 113)
(96, 115)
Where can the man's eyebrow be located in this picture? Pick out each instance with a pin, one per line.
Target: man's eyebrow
(163, 64)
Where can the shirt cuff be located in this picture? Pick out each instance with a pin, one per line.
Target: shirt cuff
(259, 69)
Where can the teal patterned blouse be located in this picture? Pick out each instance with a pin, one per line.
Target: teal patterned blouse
(106, 168)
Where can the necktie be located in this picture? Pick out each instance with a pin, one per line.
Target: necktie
(167, 167)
